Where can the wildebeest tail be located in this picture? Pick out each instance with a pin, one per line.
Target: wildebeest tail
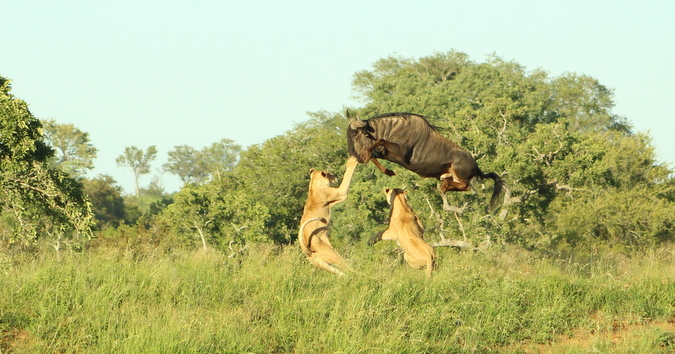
(499, 185)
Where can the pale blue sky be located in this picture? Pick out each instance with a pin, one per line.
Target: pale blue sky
(177, 72)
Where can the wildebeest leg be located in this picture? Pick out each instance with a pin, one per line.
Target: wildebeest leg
(448, 184)
(382, 169)
(392, 152)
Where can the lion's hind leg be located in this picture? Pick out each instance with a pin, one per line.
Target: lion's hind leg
(320, 263)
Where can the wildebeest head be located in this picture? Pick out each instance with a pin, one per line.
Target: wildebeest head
(359, 138)
(355, 124)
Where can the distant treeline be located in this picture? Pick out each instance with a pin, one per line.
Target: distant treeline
(576, 173)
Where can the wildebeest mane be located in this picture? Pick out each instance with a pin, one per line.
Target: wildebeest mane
(406, 115)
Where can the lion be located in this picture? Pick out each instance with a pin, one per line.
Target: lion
(313, 233)
(407, 230)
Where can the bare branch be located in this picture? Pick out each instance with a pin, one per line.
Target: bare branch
(235, 252)
(461, 227)
(454, 243)
(548, 158)
(568, 188)
(508, 200)
(500, 133)
(439, 219)
(448, 207)
(201, 234)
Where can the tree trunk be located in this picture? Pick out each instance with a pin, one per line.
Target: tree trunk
(138, 191)
(201, 234)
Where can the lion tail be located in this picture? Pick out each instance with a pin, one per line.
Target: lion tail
(302, 229)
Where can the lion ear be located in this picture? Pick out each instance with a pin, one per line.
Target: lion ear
(311, 170)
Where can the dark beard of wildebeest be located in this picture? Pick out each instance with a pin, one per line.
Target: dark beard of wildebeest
(410, 141)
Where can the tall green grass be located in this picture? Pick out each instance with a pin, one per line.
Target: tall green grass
(270, 300)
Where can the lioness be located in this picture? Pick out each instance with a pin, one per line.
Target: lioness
(407, 230)
(313, 234)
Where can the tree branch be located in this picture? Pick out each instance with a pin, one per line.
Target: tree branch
(448, 207)
(453, 243)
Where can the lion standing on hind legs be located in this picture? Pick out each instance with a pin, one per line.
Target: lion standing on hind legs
(313, 234)
(406, 229)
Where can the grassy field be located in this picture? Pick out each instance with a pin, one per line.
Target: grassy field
(270, 300)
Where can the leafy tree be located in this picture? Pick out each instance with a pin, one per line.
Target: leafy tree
(267, 187)
(138, 161)
(276, 172)
(34, 195)
(555, 140)
(191, 165)
(586, 104)
(73, 150)
(216, 217)
(106, 200)
(184, 161)
(220, 157)
(152, 201)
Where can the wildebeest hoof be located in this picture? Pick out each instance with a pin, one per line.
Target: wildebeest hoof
(389, 172)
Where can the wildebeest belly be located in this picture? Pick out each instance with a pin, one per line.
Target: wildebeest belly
(428, 159)
(428, 170)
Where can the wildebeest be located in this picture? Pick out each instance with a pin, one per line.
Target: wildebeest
(410, 141)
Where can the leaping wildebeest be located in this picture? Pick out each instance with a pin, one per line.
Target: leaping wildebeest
(410, 141)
